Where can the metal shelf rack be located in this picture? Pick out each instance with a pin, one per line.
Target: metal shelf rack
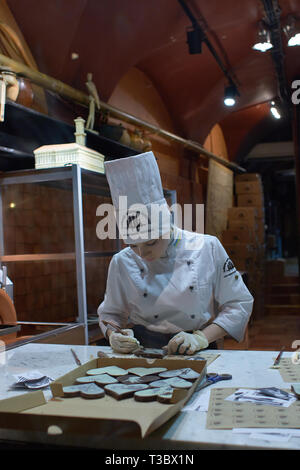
(77, 180)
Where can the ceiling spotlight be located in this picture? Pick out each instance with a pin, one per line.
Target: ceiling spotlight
(292, 31)
(274, 110)
(194, 40)
(263, 42)
(229, 95)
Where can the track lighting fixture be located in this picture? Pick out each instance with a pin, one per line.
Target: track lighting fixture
(194, 40)
(230, 94)
(292, 31)
(263, 42)
(275, 111)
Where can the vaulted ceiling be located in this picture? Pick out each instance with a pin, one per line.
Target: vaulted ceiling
(111, 36)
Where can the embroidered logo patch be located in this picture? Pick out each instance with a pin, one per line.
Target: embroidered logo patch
(228, 268)
(135, 222)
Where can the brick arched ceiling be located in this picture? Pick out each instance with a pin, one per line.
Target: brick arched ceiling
(111, 36)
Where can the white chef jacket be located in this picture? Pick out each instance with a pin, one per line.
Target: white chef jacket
(195, 283)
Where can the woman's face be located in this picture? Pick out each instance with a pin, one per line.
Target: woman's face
(152, 249)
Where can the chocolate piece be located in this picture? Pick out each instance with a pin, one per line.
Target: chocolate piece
(165, 395)
(86, 380)
(101, 354)
(171, 373)
(150, 394)
(88, 390)
(174, 382)
(71, 391)
(186, 373)
(150, 353)
(134, 379)
(104, 379)
(115, 371)
(121, 391)
(91, 391)
(189, 374)
(161, 394)
(142, 371)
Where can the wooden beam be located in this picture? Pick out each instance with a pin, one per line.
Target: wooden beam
(76, 96)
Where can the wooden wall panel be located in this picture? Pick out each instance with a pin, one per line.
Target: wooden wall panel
(219, 198)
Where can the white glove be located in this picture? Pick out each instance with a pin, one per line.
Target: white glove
(187, 343)
(123, 343)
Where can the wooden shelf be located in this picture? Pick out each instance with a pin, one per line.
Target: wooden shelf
(19, 141)
(53, 256)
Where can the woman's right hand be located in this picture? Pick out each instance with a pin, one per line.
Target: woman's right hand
(123, 343)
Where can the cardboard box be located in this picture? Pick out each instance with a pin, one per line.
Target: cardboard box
(31, 411)
(260, 233)
(238, 236)
(248, 177)
(250, 200)
(260, 222)
(249, 187)
(244, 225)
(243, 214)
(254, 233)
(260, 212)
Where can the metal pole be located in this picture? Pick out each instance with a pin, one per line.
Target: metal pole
(79, 249)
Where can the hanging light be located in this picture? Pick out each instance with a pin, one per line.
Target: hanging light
(194, 40)
(292, 31)
(263, 42)
(229, 95)
(275, 110)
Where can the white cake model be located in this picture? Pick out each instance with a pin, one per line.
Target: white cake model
(50, 156)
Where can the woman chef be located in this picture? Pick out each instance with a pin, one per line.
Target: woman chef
(174, 287)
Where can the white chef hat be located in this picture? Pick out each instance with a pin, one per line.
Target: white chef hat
(142, 213)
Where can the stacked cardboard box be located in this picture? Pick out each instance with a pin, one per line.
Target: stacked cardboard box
(244, 239)
(240, 238)
(249, 193)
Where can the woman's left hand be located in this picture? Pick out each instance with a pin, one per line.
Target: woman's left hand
(187, 343)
